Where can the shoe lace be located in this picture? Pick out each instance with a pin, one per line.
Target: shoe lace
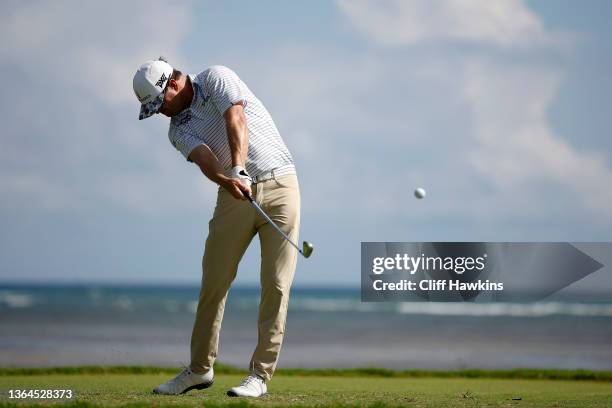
(186, 371)
(251, 379)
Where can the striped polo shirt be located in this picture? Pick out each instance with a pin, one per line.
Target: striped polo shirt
(214, 91)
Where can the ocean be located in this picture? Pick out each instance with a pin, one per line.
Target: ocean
(63, 325)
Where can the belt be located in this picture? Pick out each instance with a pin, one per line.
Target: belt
(263, 177)
(283, 170)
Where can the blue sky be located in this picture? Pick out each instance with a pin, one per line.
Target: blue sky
(498, 108)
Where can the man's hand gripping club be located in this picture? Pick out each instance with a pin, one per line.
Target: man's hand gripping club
(240, 183)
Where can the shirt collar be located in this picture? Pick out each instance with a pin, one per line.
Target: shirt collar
(195, 96)
(195, 87)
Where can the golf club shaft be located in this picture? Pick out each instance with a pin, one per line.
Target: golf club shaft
(263, 214)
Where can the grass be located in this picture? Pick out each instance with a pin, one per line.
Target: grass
(131, 386)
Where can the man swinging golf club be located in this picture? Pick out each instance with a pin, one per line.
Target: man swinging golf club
(218, 124)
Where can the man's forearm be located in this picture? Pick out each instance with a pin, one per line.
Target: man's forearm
(212, 168)
(208, 163)
(214, 173)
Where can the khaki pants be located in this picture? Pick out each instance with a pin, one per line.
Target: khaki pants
(231, 229)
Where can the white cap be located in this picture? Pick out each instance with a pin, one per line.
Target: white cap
(149, 85)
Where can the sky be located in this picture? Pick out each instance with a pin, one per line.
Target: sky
(499, 109)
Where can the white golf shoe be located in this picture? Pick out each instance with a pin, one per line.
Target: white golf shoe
(185, 381)
(251, 386)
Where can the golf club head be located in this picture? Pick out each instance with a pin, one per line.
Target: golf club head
(307, 249)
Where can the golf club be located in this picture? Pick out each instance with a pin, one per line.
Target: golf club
(307, 247)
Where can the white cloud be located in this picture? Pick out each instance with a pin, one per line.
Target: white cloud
(457, 123)
(512, 147)
(470, 126)
(516, 148)
(71, 138)
(503, 23)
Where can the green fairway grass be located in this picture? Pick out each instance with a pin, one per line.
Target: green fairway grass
(95, 386)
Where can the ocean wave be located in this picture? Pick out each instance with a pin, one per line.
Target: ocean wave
(15, 300)
(124, 303)
(96, 299)
(539, 309)
(304, 304)
(192, 306)
(332, 305)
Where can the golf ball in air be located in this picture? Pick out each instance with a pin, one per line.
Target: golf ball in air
(419, 193)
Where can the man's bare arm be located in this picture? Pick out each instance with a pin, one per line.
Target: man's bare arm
(237, 134)
(210, 166)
